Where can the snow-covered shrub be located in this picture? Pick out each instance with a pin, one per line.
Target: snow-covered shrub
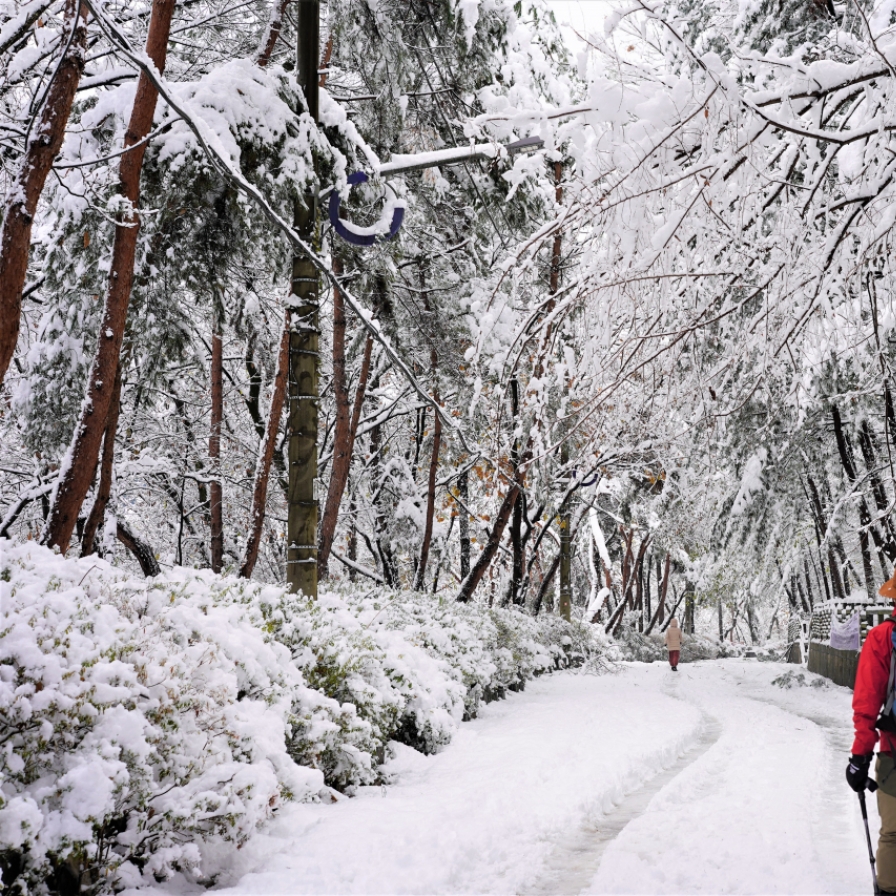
(486, 650)
(638, 647)
(140, 719)
(700, 647)
(772, 653)
(135, 719)
(641, 648)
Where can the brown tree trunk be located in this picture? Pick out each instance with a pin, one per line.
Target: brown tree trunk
(546, 584)
(215, 488)
(661, 604)
(25, 191)
(271, 34)
(345, 430)
(81, 462)
(266, 455)
(341, 460)
(469, 584)
(104, 488)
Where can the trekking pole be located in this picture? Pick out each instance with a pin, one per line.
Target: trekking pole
(872, 786)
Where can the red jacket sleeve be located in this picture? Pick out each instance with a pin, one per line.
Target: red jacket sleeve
(870, 692)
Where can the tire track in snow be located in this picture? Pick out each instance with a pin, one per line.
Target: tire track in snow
(574, 862)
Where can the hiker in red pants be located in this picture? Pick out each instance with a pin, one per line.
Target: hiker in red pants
(872, 697)
(673, 643)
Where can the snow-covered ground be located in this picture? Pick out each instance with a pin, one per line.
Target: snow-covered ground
(713, 780)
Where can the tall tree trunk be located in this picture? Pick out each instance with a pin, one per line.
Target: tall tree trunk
(820, 572)
(353, 538)
(426, 541)
(384, 548)
(25, 191)
(631, 570)
(345, 429)
(341, 460)
(797, 584)
(104, 487)
(565, 602)
(546, 584)
(216, 489)
(846, 457)
(81, 462)
(688, 608)
(468, 586)
(265, 457)
(565, 597)
(821, 531)
(661, 603)
(304, 345)
(808, 582)
(516, 524)
(885, 542)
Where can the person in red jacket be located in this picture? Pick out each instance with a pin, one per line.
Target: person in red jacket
(869, 697)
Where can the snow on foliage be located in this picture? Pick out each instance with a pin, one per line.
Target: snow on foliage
(143, 720)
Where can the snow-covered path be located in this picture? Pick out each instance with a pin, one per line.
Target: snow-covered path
(708, 781)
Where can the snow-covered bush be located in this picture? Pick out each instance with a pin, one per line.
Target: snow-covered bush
(486, 651)
(136, 719)
(142, 718)
(638, 647)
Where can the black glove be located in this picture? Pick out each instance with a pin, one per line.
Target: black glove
(857, 772)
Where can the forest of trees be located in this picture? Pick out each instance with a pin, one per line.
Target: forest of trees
(639, 365)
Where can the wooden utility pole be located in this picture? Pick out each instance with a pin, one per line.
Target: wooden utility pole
(304, 344)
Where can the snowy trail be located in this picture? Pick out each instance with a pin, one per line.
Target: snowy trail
(644, 782)
(575, 861)
(765, 810)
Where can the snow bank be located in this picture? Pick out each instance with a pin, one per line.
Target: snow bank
(143, 719)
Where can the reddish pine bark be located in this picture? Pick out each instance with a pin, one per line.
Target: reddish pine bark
(216, 490)
(45, 143)
(263, 469)
(79, 466)
(272, 34)
(341, 451)
(345, 428)
(104, 489)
